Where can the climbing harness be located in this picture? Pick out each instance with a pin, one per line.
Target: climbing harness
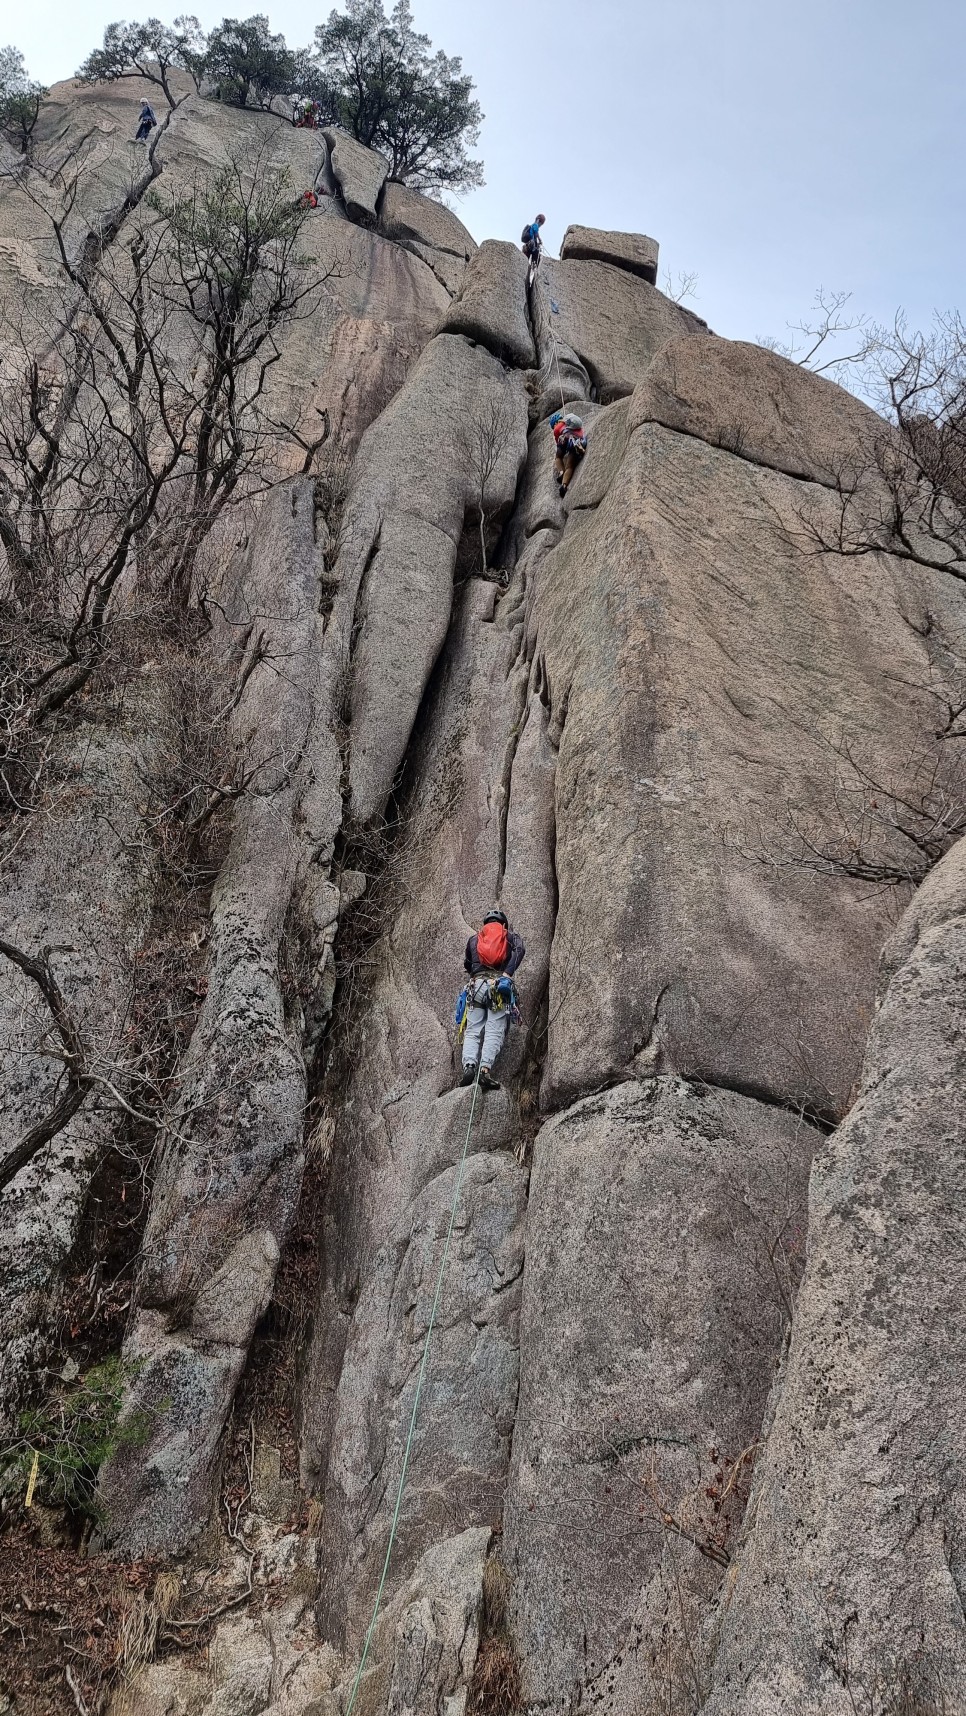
(419, 1388)
(501, 997)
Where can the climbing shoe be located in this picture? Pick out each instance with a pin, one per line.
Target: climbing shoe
(487, 1081)
(469, 1074)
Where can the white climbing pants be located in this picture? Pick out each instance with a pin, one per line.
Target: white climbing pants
(485, 1030)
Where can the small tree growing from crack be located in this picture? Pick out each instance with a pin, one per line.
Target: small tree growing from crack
(485, 434)
(902, 491)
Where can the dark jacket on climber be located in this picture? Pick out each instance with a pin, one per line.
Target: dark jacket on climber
(488, 1002)
(515, 951)
(146, 122)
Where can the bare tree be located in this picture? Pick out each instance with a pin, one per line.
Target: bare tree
(485, 435)
(886, 830)
(899, 491)
(70, 1049)
(682, 287)
(135, 406)
(906, 492)
(813, 339)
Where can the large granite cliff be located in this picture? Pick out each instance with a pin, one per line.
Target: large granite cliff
(692, 1416)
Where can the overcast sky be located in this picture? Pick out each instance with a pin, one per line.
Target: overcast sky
(771, 148)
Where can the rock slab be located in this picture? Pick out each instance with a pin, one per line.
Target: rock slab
(851, 1582)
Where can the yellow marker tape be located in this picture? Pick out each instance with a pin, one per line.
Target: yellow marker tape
(32, 1480)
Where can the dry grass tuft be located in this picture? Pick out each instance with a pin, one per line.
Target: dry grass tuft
(496, 1688)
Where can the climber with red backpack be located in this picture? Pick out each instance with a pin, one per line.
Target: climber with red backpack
(489, 1001)
(571, 439)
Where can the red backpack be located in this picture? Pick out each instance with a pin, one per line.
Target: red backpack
(493, 945)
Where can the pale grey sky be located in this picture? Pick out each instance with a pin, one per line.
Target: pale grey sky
(771, 148)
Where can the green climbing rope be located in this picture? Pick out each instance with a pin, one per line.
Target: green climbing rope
(419, 1388)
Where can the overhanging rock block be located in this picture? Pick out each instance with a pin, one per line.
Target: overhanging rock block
(632, 251)
(408, 214)
(360, 174)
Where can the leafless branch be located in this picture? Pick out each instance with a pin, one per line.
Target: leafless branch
(72, 1053)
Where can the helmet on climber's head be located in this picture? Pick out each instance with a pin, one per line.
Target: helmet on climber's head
(497, 917)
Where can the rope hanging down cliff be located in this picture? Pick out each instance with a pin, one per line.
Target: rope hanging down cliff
(419, 1389)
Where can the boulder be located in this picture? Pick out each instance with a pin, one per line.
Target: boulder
(759, 406)
(628, 250)
(849, 1586)
(491, 306)
(611, 322)
(654, 1212)
(408, 214)
(360, 174)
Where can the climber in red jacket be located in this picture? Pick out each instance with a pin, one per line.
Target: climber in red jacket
(488, 1002)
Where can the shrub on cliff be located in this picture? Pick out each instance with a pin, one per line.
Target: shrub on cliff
(248, 66)
(20, 99)
(379, 79)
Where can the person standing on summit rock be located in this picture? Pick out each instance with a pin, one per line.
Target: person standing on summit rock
(532, 243)
(488, 1002)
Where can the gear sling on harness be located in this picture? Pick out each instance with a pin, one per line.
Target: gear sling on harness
(496, 994)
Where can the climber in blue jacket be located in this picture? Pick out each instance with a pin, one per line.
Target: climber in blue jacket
(532, 242)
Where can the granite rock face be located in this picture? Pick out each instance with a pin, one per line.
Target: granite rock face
(47, 901)
(360, 174)
(607, 326)
(451, 443)
(688, 1432)
(407, 214)
(850, 1580)
(654, 1211)
(230, 1164)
